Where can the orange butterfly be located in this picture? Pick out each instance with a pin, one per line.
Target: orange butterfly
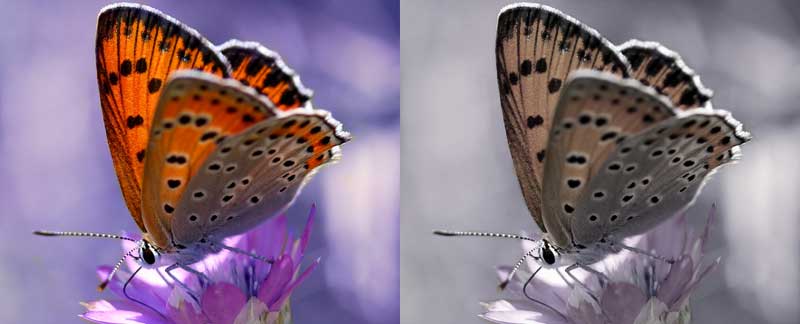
(207, 141)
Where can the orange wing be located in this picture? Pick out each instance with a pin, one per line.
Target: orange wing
(137, 48)
(196, 112)
(264, 70)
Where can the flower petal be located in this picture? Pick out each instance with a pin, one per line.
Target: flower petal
(709, 224)
(120, 312)
(698, 277)
(677, 280)
(307, 230)
(621, 302)
(182, 309)
(652, 312)
(222, 302)
(252, 312)
(504, 312)
(288, 290)
(556, 290)
(279, 276)
(266, 239)
(139, 289)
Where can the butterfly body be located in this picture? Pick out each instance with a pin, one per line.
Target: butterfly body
(574, 253)
(183, 255)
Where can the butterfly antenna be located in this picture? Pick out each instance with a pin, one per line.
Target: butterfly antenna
(125, 292)
(516, 267)
(525, 292)
(83, 234)
(102, 285)
(484, 234)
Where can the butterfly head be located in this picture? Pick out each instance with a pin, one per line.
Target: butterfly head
(149, 254)
(549, 257)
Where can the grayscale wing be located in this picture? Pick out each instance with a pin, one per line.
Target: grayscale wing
(596, 112)
(662, 170)
(537, 48)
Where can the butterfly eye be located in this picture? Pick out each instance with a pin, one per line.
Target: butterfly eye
(148, 256)
(547, 254)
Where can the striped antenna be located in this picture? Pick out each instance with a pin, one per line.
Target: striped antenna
(102, 285)
(484, 234)
(516, 267)
(83, 234)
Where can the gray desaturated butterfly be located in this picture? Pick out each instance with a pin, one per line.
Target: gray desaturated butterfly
(201, 155)
(607, 141)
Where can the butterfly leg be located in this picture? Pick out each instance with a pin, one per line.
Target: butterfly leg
(568, 271)
(601, 277)
(203, 281)
(254, 256)
(643, 252)
(170, 284)
(594, 301)
(183, 286)
(569, 284)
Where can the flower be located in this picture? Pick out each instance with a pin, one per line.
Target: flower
(641, 290)
(242, 289)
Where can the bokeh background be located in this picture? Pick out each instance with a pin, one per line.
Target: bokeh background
(58, 172)
(457, 170)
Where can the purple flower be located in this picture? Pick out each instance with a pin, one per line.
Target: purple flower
(641, 290)
(242, 289)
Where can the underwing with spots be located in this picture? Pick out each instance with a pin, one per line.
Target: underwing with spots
(607, 142)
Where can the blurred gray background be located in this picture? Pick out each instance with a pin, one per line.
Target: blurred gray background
(457, 170)
(58, 172)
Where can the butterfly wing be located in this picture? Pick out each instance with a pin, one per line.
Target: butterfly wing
(537, 48)
(597, 111)
(662, 170)
(137, 47)
(665, 71)
(256, 174)
(197, 111)
(264, 70)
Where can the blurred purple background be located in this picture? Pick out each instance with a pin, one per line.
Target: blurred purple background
(59, 174)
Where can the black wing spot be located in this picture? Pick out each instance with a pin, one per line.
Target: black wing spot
(134, 121)
(154, 85)
(173, 183)
(126, 68)
(513, 78)
(554, 85)
(526, 68)
(540, 155)
(535, 121)
(541, 65)
(573, 183)
(141, 65)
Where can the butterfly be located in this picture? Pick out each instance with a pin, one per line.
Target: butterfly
(607, 141)
(207, 141)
